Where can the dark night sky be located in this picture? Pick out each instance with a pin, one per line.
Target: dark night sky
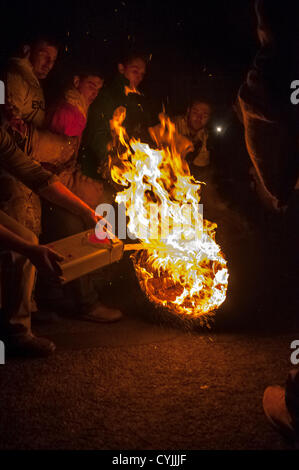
(188, 42)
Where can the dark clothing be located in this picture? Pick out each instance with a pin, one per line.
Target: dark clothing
(97, 134)
(292, 397)
(17, 272)
(271, 121)
(17, 282)
(13, 160)
(59, 223)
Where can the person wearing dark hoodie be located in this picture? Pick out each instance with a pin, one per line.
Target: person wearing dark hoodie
(68, 117)
(270, 119)
(271, 124)
(124, 92)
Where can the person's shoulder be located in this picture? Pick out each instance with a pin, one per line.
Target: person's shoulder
(14, 71)
(19, 74)
(104, 105)
(67, 119)
(66, 108)
(178, 118)
(100, 103)
(7, 144)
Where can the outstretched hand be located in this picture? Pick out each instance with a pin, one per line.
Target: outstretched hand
(46, 262)
(91, 219)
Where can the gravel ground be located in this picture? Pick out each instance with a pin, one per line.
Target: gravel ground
(135, 385)
(149, 382)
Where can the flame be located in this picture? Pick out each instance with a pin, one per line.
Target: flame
(181, 267)
(131, 90)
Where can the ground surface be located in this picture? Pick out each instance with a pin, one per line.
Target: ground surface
(150, 383)
(137, 385)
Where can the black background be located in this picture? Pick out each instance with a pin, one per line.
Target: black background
(195, 47)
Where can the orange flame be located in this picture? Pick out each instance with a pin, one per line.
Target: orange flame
(182, 267)
(131, 90)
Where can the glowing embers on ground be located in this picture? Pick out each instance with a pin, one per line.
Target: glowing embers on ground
(182, 267)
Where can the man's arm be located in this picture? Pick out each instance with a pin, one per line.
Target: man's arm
(39, 180)
(58, 194)
(43, 258)
(16, 92)
(48, 147)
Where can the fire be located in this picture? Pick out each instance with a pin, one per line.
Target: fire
(131, 90)
(181, 267)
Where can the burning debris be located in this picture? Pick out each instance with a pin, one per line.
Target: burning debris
(181, 267)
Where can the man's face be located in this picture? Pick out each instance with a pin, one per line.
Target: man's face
(89, 87)
(42, 57)
(199, 116)
(134, 72)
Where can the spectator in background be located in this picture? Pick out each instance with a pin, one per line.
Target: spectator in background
(191, 136)
(270, 119)
(201, 156)
(193, 141)
(70, 115)
(194, 126)
(69, 118)
(24, 115)
(271, 132)
(123, 91)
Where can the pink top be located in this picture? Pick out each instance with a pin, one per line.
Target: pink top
(68, 120)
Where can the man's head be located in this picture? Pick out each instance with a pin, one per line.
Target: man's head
(42, 53)
(198, 115)
(133, 68)
(89, 86)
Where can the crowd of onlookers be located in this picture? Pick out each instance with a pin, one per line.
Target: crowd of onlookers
(64, 146)
(53, 167)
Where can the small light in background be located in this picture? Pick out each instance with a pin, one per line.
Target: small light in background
(219, 129)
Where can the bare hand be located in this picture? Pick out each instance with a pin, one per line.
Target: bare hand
(91, 220)
(46, 261)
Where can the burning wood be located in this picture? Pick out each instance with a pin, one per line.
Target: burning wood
(178, 264)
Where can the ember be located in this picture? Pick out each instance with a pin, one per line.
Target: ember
(182, 267)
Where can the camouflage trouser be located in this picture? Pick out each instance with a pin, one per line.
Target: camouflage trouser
(20, 203)
(17, 281)
(17, 200)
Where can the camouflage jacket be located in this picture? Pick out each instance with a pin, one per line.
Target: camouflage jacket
(25, 104)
